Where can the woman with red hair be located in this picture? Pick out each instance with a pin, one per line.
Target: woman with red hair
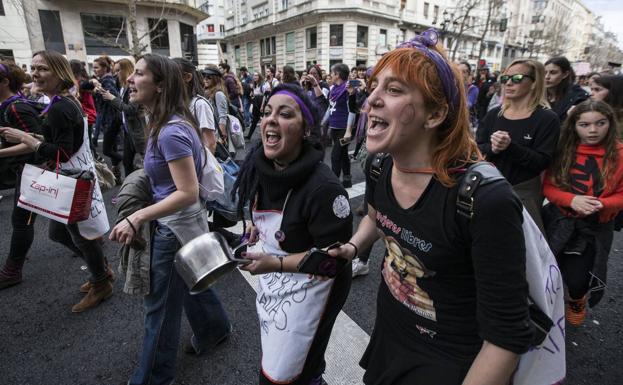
(451, 307)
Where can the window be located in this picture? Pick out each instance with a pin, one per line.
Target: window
(284, 4)
(334, 61)
(104, 34)
(249, 53)
(290, 42)
(311, 37)
(159, 36)
(223, 47)
(210, 28)
(336, 32)
(52, 30)
(237, 55)
(383, 37)
(1, 8)
(362, 36)
(189, 42)
(436, 12)
(426, 6)
(268, 46)
(222, 28)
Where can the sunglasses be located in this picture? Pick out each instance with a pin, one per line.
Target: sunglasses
(516, 79)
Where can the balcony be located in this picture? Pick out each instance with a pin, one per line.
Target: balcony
(190, 7)
(210, 36)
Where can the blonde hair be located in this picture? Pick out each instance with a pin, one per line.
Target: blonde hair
(60, 67)
(537, 93)
(126, 67)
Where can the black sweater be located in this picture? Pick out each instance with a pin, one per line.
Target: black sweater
(532, 147)
(63, 130)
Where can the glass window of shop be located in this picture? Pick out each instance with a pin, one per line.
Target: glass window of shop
(383, 37)
(249, 53)
(159, 36)
(52, 30)
(104, 34)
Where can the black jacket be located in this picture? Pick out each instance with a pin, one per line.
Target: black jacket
(574, 96)
(134, 121)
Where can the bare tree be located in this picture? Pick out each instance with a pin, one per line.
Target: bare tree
(462, 19)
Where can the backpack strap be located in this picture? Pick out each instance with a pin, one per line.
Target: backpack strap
(478, 174)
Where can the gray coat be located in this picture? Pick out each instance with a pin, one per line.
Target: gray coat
(134, 194)
(135, 123)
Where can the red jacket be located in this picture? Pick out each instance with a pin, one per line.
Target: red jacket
(584, 175)
(88, 106)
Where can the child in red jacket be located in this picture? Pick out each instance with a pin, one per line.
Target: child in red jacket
(585, 185)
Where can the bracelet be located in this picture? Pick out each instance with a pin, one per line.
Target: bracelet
(355, 247)
(131, 225)
(280, 264)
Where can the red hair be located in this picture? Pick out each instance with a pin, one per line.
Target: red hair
(455, 146)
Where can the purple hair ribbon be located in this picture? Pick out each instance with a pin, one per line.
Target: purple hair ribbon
(424, 42)
(4, 69)
(55, 99)
(306, 112)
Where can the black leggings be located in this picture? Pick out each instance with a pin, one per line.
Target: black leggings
(23, 222)
(89, 250)
(111, 135)
(575, 269)
(339, 154)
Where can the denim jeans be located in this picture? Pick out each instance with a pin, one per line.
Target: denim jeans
(163, 314)
(246, 107)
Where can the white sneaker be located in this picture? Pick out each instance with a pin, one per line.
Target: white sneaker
(360, 267)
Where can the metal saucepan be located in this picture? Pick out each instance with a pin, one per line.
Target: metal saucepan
(205, 259)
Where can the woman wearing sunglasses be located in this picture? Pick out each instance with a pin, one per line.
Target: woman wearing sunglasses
(520, 136)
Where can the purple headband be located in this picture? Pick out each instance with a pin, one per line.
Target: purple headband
(4, 69)
(306, 112)
(424, 42)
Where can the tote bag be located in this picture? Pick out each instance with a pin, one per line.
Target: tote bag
(64, 199)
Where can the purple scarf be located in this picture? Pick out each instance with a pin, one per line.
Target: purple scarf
(337, 91)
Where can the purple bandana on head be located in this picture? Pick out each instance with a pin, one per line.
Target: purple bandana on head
(309, 117)
(424, 42)
(4, 70)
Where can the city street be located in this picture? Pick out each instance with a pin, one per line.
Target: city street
(43, 343)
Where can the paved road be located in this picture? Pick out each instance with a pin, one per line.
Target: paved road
(42, 342)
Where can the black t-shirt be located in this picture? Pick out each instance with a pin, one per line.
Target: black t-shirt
(62, 128)
(532, 147)
(451, 284)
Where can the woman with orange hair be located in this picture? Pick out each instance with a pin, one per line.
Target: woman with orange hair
(451, 307)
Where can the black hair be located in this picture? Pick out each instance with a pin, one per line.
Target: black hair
(288, 75)
(565, 84)
(243, 69)
(195, 87)
(14, 74)
(342, 70)
(225, 66)
(78, 68)
(614, 85)
(247, 181)
(466, 64)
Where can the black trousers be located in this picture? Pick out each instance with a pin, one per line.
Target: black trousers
(575, 269)
(340, 163)
(128, 154)
(257, 114)
(111, 134)
(89, 250)
(23, 234)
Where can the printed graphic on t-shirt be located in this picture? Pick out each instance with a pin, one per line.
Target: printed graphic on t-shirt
(586, 178)
(401, 272)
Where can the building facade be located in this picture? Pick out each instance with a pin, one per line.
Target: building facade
(261, 33)
(210, 33)
(84, 30)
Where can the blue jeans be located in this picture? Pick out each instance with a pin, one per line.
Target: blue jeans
(163, 314)
(246, 107)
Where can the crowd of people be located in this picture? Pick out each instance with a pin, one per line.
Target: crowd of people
(452, 305)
